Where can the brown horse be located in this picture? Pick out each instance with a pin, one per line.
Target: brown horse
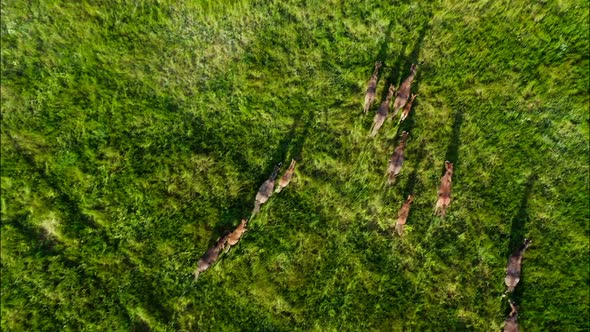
(235, 236)
(444, 191)
(265, 190)
(407, 109)
(403, 215)
(514, 266)
(510, 324)
(404, 91)
(284, 181)
(381, 114)
(372, 87)
(210, 256)
(397, 160)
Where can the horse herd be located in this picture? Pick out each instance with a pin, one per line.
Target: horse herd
(403, 99)
(231, 238)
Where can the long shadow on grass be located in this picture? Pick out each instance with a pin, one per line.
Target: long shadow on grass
(402, 63)
(382, 56)
(386, 40)
(296, 147)
(517, 234)
(290, 146)
(452, 153)
(413, 179)
(409, 122)
(394, 74)
(517, 231)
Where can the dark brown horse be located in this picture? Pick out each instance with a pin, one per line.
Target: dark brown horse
(372, 87)
(211, 255)
(514, 266)
(510, 324)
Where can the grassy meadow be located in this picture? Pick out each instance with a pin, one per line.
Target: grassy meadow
(135, 134)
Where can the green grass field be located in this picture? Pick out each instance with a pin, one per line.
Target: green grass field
(136, 134)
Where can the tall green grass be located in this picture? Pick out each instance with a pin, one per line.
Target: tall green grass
(135, 134)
